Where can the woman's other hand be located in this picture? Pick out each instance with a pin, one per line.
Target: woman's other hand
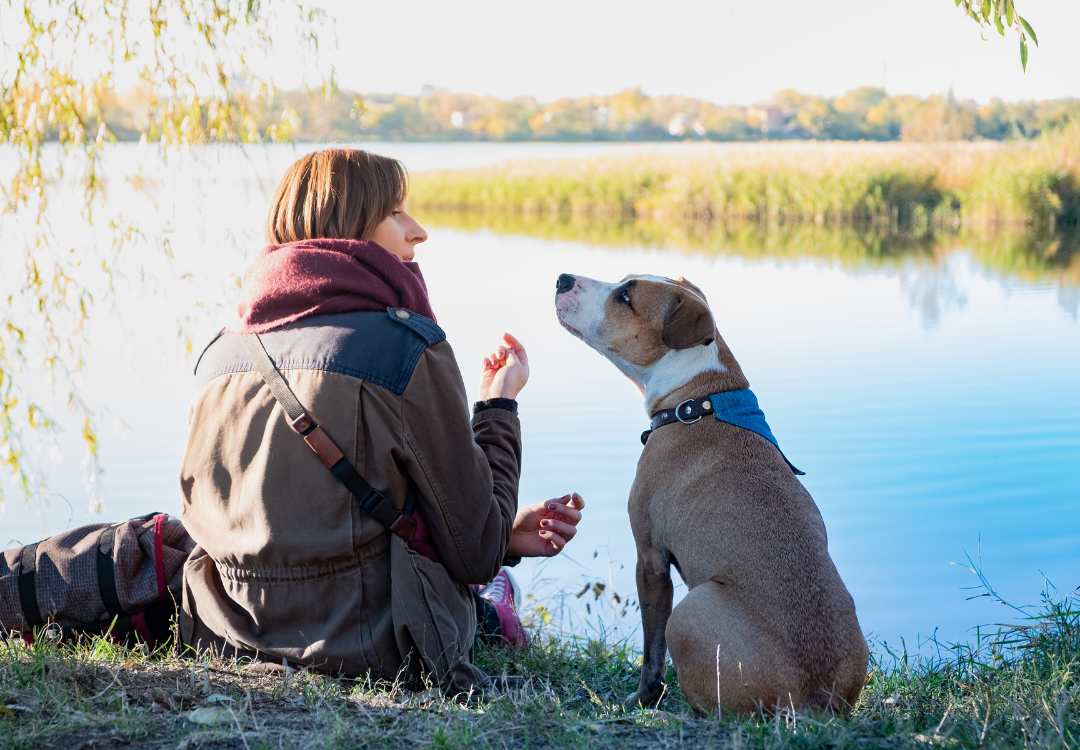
(505, 370)
(543, 529)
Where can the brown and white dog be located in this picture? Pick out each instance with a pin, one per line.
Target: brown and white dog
(767, 622)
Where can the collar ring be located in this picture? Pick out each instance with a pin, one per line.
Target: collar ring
(679, 412)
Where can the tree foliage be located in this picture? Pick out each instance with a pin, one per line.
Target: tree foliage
(1001, 14)
(865, 113)
(198, 64)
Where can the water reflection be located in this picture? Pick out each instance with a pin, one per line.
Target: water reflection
(934, 287)
(925, 262)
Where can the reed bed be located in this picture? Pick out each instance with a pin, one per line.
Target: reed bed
(897, 185)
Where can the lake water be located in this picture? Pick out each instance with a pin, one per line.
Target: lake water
(930, 394)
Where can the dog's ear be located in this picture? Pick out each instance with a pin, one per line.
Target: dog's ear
(691, 285)
(688, 323)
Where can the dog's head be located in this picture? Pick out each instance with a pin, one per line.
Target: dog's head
(659, 332)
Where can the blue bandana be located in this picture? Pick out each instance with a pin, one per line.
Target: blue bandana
(741, 409)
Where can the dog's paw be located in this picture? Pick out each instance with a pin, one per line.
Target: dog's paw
(645, 697)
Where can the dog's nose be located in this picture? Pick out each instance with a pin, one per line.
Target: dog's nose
(565, 283)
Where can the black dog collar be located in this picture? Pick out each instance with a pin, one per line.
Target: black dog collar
(688, 412)
(738, 407)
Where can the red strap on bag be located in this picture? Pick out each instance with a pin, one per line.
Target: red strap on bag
(138, 621)
(159, 563)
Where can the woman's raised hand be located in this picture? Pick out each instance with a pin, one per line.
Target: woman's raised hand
(543, 529)
(505, 370)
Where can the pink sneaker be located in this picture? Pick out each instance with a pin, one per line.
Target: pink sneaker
(505, 596)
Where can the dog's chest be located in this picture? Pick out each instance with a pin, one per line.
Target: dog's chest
(681, 497)
(663, 511)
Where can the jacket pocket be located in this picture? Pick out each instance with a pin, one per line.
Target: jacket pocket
(435, 619)
(306, 615)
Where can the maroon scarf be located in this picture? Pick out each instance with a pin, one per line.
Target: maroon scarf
(316, 277)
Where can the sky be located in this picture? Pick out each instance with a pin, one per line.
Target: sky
(724, 51)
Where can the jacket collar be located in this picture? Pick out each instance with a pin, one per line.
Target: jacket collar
(739, 408)
(324, 276)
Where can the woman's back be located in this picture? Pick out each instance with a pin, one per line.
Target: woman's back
(288, 564)
(292, 565)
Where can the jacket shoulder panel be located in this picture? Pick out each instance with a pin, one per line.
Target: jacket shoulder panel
(365, 345)
(427, 328)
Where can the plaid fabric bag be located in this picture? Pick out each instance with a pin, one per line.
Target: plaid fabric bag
(123, 579)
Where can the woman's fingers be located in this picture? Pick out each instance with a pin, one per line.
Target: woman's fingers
(511, 341)
(497, 358)
(562, 528)
(568, 506)
(555, 543)
(570, 514)
(518, 348)
(559, 532)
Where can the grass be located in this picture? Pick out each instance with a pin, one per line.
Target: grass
(1016, 689)
(882, 184)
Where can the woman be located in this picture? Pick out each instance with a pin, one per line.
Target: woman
(288, 564)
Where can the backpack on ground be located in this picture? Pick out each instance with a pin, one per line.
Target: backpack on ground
(122, 579)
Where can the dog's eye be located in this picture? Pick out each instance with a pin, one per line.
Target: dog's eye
(624, 297)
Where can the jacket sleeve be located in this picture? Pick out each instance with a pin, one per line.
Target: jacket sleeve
(467, 476)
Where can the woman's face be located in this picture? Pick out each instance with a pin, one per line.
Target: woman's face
(399, 234)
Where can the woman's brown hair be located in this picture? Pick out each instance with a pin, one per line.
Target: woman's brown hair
(338, 193)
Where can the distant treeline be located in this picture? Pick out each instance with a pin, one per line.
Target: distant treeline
(864, 113)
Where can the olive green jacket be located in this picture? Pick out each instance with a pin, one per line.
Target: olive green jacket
(288, 566)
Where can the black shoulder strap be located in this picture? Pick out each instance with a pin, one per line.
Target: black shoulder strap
(106, 574)
(276, 381)
(27, 591)
(371, 500)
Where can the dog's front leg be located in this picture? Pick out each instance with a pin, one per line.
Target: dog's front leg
(654, 595)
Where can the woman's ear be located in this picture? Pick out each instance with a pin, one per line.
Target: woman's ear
(688, 323)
